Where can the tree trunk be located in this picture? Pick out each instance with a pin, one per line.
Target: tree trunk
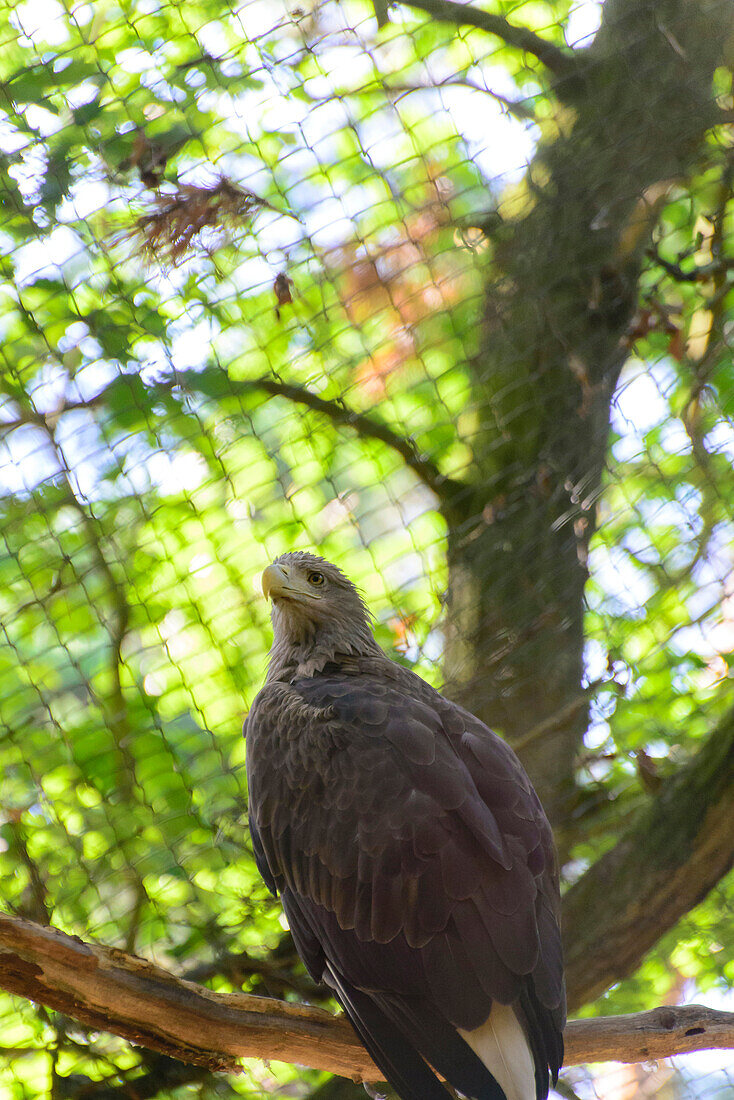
(560, 298)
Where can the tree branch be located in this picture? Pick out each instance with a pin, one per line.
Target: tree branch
(447, 11)
(195, 382)
(364, 425)
(675, 851)
(516, 107)
(699, 274)
(108, 990)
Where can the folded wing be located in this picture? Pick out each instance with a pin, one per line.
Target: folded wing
(417, 873)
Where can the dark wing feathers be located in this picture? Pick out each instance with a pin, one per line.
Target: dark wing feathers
(494, 975)
(261, 861)
(542, 1055)
(308, 945)
(414, 860)
(398, 1058)
(444, 1047)
(548, 977)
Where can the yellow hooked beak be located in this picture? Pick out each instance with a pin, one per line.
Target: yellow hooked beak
(278, 580)
(275, 581)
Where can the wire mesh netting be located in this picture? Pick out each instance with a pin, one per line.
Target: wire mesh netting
(442, 294)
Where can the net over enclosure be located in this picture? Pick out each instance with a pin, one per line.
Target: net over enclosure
(442, 292)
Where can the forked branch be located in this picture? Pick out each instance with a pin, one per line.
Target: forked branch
(110, 991)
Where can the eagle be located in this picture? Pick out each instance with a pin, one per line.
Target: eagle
(413, 860)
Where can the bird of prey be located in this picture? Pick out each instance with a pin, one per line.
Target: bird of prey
(414, 862)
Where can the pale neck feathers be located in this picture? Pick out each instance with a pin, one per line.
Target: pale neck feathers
(301, 647)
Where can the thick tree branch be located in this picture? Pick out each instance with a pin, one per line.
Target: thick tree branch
(672, 855)
(108, 990)
(447, 11)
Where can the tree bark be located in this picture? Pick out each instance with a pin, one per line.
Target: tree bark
(678, 848)
(561, 292)
(108, 990)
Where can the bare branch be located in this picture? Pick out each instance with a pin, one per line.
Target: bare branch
(366, 426)
(108, 990)
(517, 107)
(447, 11)
(642, 1036)
(697, 274)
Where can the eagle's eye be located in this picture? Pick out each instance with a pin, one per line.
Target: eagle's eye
(315, 578)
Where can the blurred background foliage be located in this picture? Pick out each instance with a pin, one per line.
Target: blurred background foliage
(243, 259)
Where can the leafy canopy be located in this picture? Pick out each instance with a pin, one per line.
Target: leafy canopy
(162, 166)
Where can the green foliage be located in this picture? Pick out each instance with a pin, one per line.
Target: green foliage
(147, 478)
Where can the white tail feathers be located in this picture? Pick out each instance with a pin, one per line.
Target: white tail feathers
(501, 1044)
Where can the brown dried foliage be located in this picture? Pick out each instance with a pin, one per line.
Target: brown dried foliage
(169, 232)
(282, 290)
(402, 279)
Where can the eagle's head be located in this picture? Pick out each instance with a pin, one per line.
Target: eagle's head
(317, 612)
